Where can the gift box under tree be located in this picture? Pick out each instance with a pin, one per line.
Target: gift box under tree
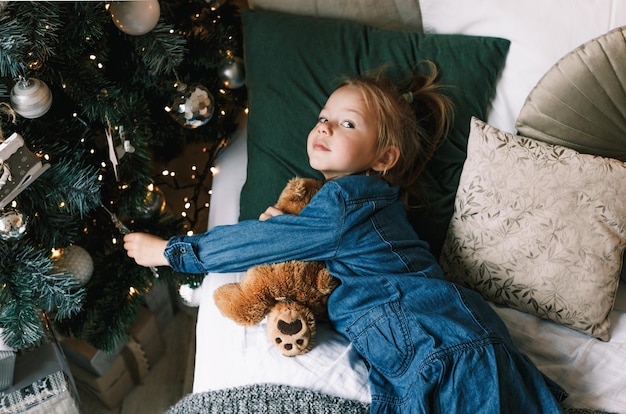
(7, 364)
(42, 384)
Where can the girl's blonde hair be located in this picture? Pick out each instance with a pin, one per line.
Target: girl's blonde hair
(414, 121)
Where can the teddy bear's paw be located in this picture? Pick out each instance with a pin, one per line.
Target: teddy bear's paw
(291, 328)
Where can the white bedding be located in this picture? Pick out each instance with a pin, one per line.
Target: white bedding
(592, 371)
(228, 355)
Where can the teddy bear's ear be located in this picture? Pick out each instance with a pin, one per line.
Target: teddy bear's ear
(296, 194)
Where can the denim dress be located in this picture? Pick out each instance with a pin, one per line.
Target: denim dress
(430, 345)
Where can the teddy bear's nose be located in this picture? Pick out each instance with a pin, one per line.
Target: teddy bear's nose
(288, 347)
(291, 328)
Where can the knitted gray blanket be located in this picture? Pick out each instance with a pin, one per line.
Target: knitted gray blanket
(277, 399)
(266, 398)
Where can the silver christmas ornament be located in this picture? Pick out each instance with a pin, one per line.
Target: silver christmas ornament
(77, 261)
(12, 225)
(193, 105)
(153, 203)
(135, 17)
(233, 73)
(31, 98)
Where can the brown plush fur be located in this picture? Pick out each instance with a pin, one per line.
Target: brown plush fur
(292, 294)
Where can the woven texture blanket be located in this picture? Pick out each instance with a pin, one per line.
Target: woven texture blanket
(278, 399)
(266, 398)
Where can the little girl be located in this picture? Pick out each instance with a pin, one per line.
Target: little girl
(430, 345)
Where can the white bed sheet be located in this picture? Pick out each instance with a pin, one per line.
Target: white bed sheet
(228, 355)
(593, 372)
(540, 31)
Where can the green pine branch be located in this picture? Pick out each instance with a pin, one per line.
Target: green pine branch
(101, 79)
(27, 287)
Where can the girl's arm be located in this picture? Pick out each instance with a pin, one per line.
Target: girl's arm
(148, 250)
(314, 234)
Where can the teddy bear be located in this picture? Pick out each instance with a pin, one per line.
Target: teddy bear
(293, 294)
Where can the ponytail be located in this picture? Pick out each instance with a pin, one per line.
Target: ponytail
(433, 112)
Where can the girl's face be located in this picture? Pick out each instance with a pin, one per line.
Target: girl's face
(344, 140)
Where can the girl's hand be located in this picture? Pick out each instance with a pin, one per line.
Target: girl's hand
(270, 212)
(146, 249)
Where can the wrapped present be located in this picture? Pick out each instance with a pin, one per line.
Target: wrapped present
(110, 388)
(88, 357)
(7, 364)
(43, 384)
(128, 368)
(159, 301)
(145, 332)
(18, 168)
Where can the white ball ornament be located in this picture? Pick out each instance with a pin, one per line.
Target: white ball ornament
(77, 261)
(31, 98)
(135, 17)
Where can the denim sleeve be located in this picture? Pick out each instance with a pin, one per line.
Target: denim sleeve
(312, 235)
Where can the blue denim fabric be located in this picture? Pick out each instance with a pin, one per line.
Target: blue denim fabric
(431, 346)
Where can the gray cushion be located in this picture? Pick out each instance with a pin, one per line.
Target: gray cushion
(580, 102)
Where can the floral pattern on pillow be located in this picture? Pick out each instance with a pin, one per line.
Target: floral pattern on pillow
(539, 227)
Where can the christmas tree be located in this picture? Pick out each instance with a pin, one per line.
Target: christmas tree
(92, 95)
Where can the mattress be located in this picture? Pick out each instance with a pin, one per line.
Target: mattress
(593, 372)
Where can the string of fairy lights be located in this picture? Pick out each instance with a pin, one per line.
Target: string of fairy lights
(194, 190)
(109, 136)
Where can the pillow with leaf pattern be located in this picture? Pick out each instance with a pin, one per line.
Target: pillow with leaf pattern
(539, 227)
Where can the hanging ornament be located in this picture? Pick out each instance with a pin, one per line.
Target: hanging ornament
(233, 73)
(31, 98)
(192, 106)
(75, 260)
(12, 225)
(153, 203)
(135, 17)
(108, 132)
(188, 296)
(19, 167)
(126, 147)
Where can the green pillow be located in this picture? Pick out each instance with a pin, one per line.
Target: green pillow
(293, 63)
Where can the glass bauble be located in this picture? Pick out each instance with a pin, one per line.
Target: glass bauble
(77, 261)
(12, 225)
(233, 73)
(31, 98)
(135, 17)
(153, 204)
(192, 106)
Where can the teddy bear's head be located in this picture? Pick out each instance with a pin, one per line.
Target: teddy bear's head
(291, 327)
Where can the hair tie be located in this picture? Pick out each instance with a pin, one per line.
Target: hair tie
(408, 97)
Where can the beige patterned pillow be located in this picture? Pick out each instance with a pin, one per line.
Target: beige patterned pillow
(539, 227)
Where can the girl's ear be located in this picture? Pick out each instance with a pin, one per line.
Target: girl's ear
(387, 159)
